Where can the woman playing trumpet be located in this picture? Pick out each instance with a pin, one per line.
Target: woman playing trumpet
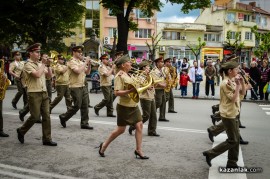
(128, 112)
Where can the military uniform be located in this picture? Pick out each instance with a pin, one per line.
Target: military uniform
(128, 112)
(38, 102)
(228, 111)
(17, 68)
(106, 88)
(49, 86)
(79, 95)
(62, 86)
(160, 97)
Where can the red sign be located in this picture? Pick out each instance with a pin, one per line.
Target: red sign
(132, 48)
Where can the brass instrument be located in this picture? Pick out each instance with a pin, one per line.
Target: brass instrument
(156, 78)
(247, 80)
(168, 79)
(174, 76)
(140, 82)
(4, 81)
(54, 57)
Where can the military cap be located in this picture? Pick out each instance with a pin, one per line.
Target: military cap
(76, 48)
(16, 52)
(33, 47)
(167, 59)
(143, 64)
(60, 56)
(230, 65)
(123, 59)
(119, 53)
(158, 59)
(104, 56)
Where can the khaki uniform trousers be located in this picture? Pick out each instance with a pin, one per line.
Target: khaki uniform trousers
(149, 112)
(38, 104)
(1, 115)
(231, 144)
(19, 93)
(107, 101)
(160, 102)
(80, 102)
(169, 97)
(49, 88)
(62, 91)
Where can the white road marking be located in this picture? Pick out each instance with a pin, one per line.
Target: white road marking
(264, 105)
(29, 171)
(268, 113)
(221, 161)
(53, 117)
(265, 109)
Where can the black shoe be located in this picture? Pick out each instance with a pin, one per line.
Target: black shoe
(20, 136)
(232, 166)
(242, 126)
(242, 142)
(90, 106)
(140, 157)
(87, 127)
(164, 120)
(130, 129)
(38, 121)
(213, 119)
(2, 134)
(99, 151)
(153, 134)
(14, 105)
(50, 143)
(208, 160)
(210, 135)
(62, 121)
(21, 116)
(111, 115)
(172, 112)
(96, 111)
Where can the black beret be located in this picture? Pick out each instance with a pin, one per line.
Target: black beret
(76, 48)
(33, 47)
(60, 56)
(119, 53)
(167, 59)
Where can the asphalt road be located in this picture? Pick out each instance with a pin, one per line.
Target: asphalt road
(177, 153)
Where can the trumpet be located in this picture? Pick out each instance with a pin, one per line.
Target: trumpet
(246, 77)
(92, 61)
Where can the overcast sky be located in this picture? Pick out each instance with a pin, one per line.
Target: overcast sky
(172, 13)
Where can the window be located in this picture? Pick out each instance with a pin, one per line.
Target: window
(94, 4)
(258, 19)
(231, 16)
(143, 33)
(212, 37)
(232, 35)
(179, 54)
(170, 35)
(140, 14)
(246, 17)
(111, 31)
(264, 21)
(248, 36)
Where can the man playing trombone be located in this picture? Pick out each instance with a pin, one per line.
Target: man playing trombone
(78, 69)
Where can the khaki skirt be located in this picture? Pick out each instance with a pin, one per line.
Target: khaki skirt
(128, 115)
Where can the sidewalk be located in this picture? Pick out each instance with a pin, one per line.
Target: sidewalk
(177, 94)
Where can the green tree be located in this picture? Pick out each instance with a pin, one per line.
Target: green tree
(125, 23)
(44, 21)
(196, 48)
(233, 43)
(264, 43)
(154, 45)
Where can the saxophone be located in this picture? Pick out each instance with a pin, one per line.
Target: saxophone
(174, 76)
(168, 79)
(4, 81)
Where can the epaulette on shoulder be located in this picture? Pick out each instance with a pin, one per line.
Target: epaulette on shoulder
(120, 73)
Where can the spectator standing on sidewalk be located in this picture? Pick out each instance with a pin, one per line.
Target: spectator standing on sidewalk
(255, 75)
(210, 73)
(217, 67)
(195, 70)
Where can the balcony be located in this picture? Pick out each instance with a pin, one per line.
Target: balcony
(246, 24)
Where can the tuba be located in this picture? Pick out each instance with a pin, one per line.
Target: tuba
(4, 81)
(140, 82)
(168, 79)
(54, 57)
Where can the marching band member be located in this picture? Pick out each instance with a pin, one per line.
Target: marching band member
(38, 99)
(128, 112)
(159, 89)
(106, 76)
(15, 69)
(77, 71)
(61, 84)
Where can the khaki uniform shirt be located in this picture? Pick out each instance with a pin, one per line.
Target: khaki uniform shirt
(105, 80)
(121, 81)
(16, 67)
(34, 84)
(61, 78)
(148, 94)
(159, 74)
(76, 80)
(227, 107)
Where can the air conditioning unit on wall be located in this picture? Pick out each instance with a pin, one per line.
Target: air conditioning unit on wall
(228, 22)
(162, 48)
(106, 40)
(149, 20)
(183, 37)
